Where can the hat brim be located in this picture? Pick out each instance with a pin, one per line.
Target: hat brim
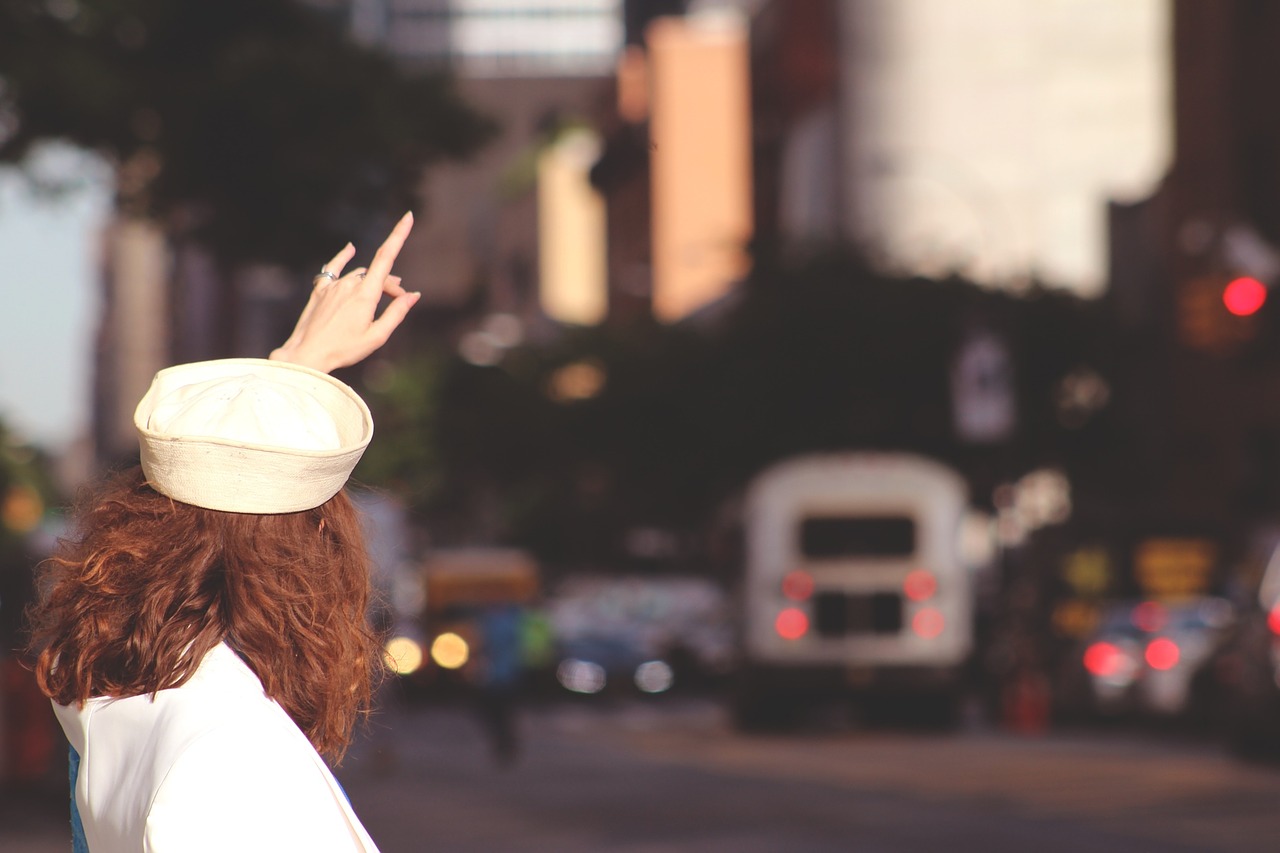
(236, 476)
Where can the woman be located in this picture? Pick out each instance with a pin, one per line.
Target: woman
(203, 635)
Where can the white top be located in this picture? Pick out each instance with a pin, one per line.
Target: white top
(213, 765)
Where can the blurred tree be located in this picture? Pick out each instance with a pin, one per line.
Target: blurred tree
(254, 126)
(814, 356)
(402, 394)
(27, 491)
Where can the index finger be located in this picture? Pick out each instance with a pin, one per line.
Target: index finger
(386, 255)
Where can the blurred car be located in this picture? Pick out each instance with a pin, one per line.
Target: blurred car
(683, 622)
(1239, 686)
(614, 664)
(1145, 657)
(440, 649)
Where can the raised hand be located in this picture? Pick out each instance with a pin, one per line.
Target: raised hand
(339, 326)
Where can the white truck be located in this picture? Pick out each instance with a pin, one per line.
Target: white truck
(854, 586)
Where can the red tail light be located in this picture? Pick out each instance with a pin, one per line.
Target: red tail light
(1273, 618)
(1148, 616)
(928, 623)
(920, 585)
(1103, 659)
(797, 585)
(1163, 653)
(791, 624)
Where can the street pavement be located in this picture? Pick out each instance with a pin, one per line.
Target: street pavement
(671, 775)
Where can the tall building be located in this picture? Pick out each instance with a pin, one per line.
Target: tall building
(676, 168)
(700, 156)
(493, 38)
(985, 139)
(982, 138)
(134, 336)
(1200, 384)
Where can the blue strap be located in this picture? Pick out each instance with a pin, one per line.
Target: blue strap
(78, 842)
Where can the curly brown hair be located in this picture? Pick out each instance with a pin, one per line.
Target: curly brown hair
(146, 586)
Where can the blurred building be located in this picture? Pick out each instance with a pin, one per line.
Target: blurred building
(1126, 151)
(562, 220)
(700, 155)
(676, 169)
(134, 335)
(539, 69)
(983, 138)
(572, 246)
(521, 238)
(1201, 383)
(491, 38)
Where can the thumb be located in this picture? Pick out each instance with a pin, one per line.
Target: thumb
(395, 312)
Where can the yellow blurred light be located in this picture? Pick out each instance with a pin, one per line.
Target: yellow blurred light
(580, 380)
(450, 651)
(22, 509)
(1075, 618)
(403, 655)
(572, 254)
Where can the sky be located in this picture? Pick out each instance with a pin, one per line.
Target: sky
(50, 298)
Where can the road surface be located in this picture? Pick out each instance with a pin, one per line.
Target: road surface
(636, 777)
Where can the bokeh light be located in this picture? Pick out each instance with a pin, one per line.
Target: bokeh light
(1163, 653)
(920, 585)
(1149, 616)
(404, 655)
(654, 676)
(581, 676)
(1103, 659)
(1244, 296)
(928, 623)
(450, 651)
(791, 624)
(797, 585)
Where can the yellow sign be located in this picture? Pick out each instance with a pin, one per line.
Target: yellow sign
(1075, 618)
(1088, 571)
(1173, 567)
(473, 577)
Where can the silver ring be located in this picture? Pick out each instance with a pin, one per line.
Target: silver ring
(325, 274)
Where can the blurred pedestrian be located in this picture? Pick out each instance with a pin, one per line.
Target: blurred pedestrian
(498, 676)
(203, 633)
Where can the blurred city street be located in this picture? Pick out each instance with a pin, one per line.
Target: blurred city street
(673, 776)
(768, 357)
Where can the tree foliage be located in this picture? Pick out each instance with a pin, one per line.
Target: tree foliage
(257, 126)
(823, 355)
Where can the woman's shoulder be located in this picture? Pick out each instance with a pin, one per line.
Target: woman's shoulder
(225, 702)
(222, 704)
(238, 753)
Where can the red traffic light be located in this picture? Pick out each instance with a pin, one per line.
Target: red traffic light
(1244, 296)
